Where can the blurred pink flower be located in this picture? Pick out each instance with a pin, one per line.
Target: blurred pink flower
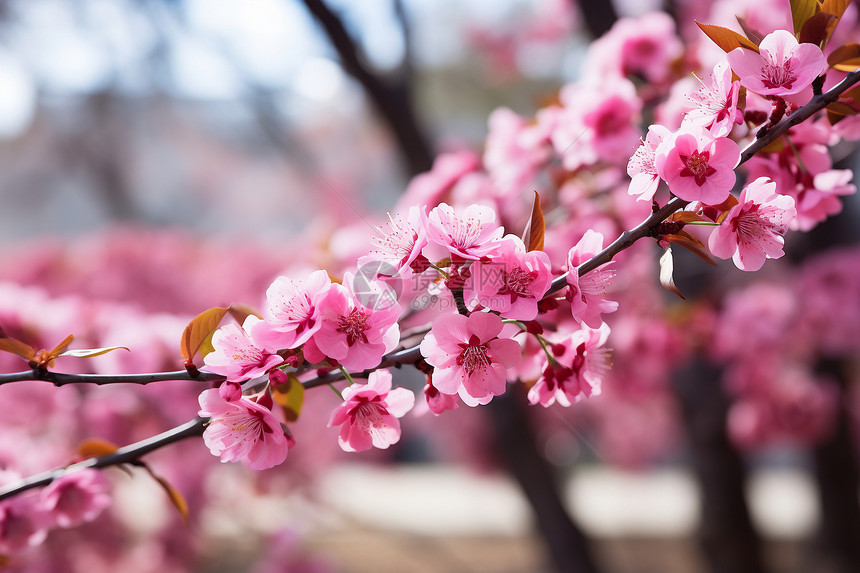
(369, 414)
(290, 313)
(468, 357)
(698, 166)
(581, 362)
(511, 283)
(22, 519)
(244, 431)
(781, 67)
(471, 234)
(76, 497)
(438, 402)
(753, 229)
(588, 292)
(237, 356)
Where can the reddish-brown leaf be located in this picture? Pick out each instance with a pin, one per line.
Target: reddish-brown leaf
(533, 235)
(14, 346)
(845, 58)
(96, 448)
(176, 498)
(690, 243)
(817, 29)
(801, 11)
(197, 336)
(727, 39)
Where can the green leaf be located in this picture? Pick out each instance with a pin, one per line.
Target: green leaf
(666, 270)
(727, 39)
(197, 336)
(801, 11)
(290, 397)
(90, 352)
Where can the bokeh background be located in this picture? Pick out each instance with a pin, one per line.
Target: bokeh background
(161, 157)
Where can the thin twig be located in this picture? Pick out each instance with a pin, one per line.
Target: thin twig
(126, 454)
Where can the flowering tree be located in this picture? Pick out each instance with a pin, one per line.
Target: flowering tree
(492, 290)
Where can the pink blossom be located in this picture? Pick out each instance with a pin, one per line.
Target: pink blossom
(400, 246)
(290, 313)
(438, 402)
(76, 497)
(244, 430)
(588, 292)
(22, 519)
(515, 150)
(237, 356)
(579, 366)
(471, 234)
(369, 414)
(641, 169)
(644, 46)
(468, 357)
(698, 166)
(512, 283)
(753, 229)
(781, 67)
(716, 103)
(599, 122)
(352, 332)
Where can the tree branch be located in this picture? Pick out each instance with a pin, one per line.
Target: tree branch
(61, 379)
(126, 454)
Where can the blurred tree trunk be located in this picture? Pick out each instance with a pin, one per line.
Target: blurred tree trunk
(517, 446)
(599, 15)
(729, 540)
(391, 95)
(837, 480)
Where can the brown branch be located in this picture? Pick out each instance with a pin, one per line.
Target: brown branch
(62, 379)
(124, 455)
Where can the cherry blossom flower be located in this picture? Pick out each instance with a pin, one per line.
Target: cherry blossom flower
(237, 356)
(641, 169)
(468, 357)
(716, 105)
(438, 402)
(588, 292)
(512, 283)
(599, 122)
(244, 430)
(580, 364)
(698, 166)
(753, 229)
(400, 246)
(76, 497)
(469, 235)
(23, 521)
(290, 313)
(351, 332)
(369, 414)
(515, 150)
(781, 67)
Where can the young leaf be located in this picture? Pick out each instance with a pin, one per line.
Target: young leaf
(754, 35)
(533, 235)
(197, 336)
(61, 347)
(290, 397)
(690, 243)
(176, 498)
(801, 11)
(666, 270)
(96, 448)
(14, 346)
(817, 29)
(90, 352)
(685, 217)
(845, 58)
(727, 39)
(240, 312)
